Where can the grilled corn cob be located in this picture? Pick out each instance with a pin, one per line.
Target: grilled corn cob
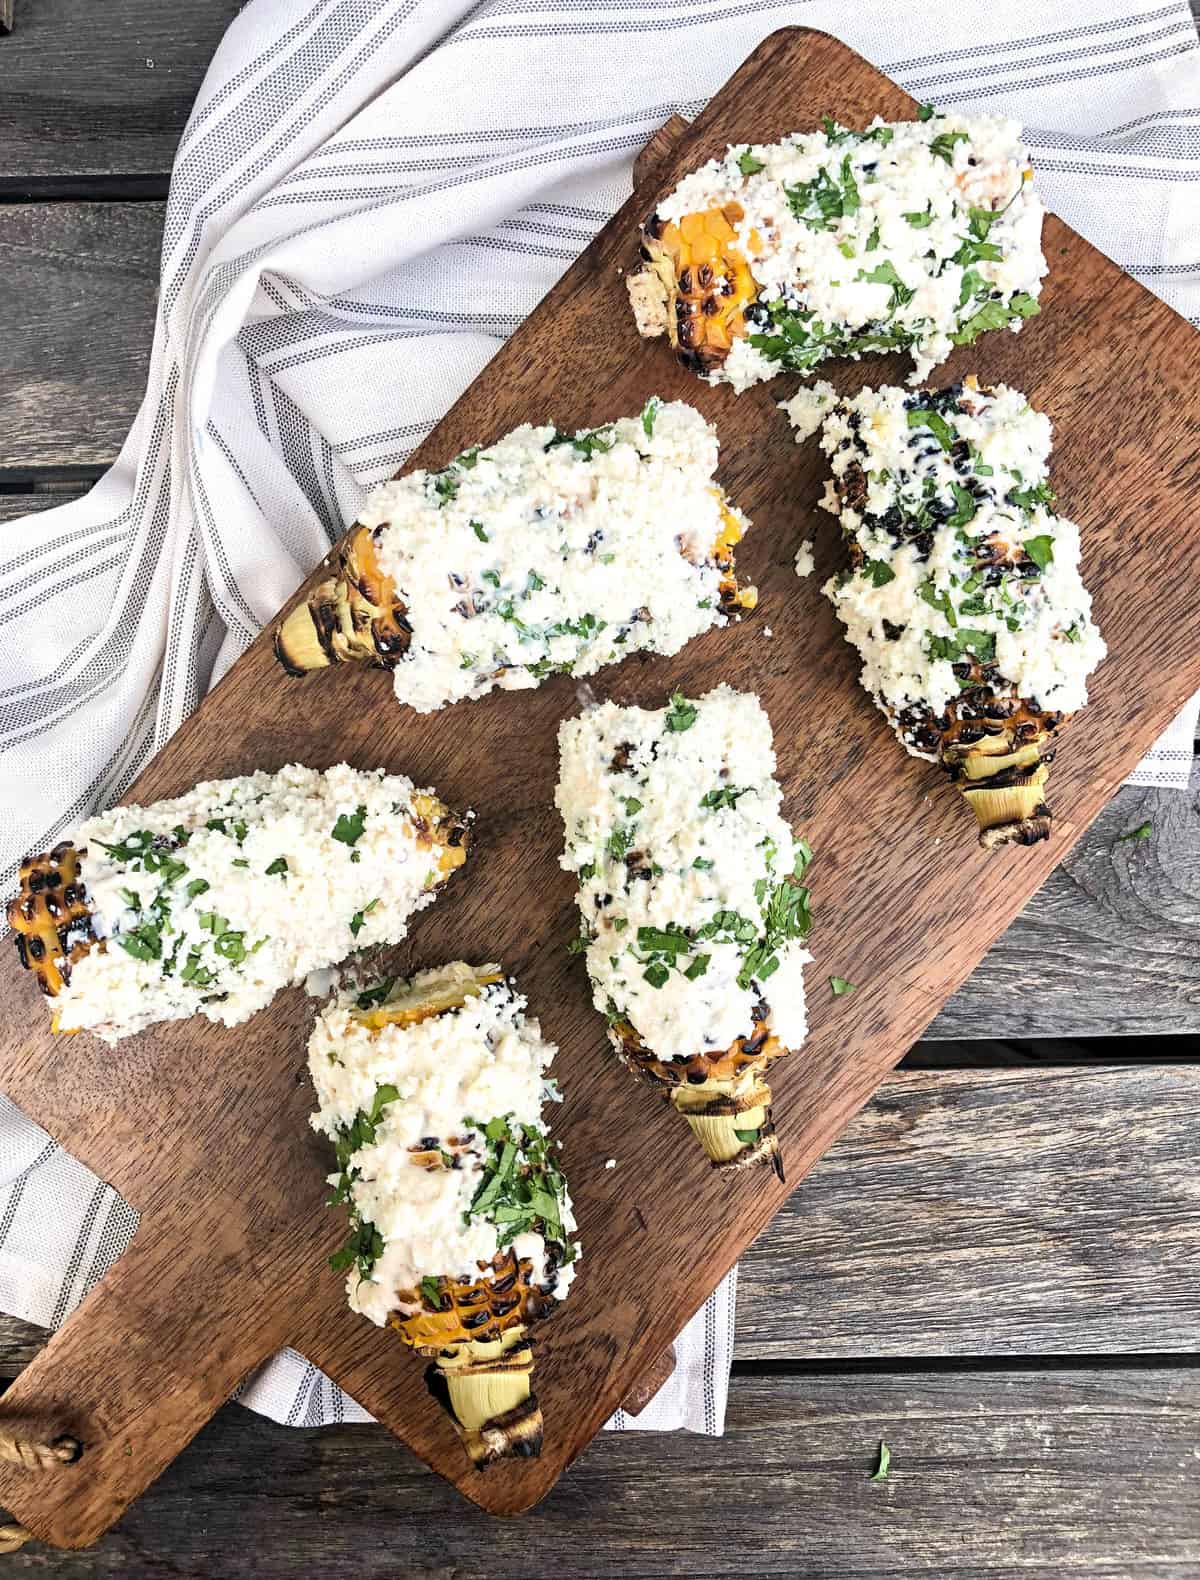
(431, 1091)
(541, 554)
(210, 903)
(914, 236)
(693, 911)
(963, 593)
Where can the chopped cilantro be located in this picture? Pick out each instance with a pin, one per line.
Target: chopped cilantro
(371, 996)
(430, 1291)
(878, 572)
(926, 417)
(1040, 550)
(349, 829)
(885, 1461)
(649, 413)
(1142, 831)
(748, 164)
(681, 715)
(477, 529)
(841, 987)
(942, 146)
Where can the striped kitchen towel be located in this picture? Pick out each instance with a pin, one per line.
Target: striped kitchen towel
(369, 196)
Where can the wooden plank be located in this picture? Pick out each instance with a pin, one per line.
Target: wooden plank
(639, 1281)
(1042, 1211)
(101, 90)
(1110, 945)
(990, 1212)
(1008, 1474)
(15, 506)
(76, 324)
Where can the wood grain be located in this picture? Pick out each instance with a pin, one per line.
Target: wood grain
(230, 1149)
(76, 324)
(1110, 945)
(1012, 1474)
(1002, 1212)
(990, 1212)
(102, 89)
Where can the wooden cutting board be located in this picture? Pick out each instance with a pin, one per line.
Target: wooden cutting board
(205, 1130)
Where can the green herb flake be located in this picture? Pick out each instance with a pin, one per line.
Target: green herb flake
(1040, 550)
(278, 868)
(430, 1291)
(885, 1463)
(477, 529)
(925, 417)
(681, 715)
(649, 413)
(841, 988)
(877, 572)
(748, 164)
(1142, 831)
(349, 829)
(375, 994)
(942, 146)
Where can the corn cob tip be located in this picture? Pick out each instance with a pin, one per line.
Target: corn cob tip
(1009, 805)
(354, 616)
(485, 1388)
(732, 1121)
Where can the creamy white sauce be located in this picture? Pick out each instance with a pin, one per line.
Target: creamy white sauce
(651, 856)
(862, 241)
(453, 1072)
(931, 497)
(538, 556)
(222, 933)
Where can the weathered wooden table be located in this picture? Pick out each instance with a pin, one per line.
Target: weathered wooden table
(995, 1269)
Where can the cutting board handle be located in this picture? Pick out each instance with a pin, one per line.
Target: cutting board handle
(134, 1374)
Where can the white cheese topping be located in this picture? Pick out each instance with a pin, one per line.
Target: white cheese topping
(211, 902)
(913, 235)
(432, 1086)
(957, 556)
(685, 868)
(542, 554)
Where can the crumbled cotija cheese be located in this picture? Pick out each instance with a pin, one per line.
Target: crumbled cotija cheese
(957, 554)
(909, 235)
(211, 902)
(545, 553)
(438, 1084)
(686, 869)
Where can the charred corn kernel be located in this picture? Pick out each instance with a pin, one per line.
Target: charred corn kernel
(545, 553)
(461, 1229)
(693, 910)
(211, 902)
(963, 594)
(913, 236)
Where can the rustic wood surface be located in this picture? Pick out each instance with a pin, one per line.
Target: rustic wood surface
(227, 1263)
(77, 306)
(994, 1212)
(100, 90)
(1003, 1472)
